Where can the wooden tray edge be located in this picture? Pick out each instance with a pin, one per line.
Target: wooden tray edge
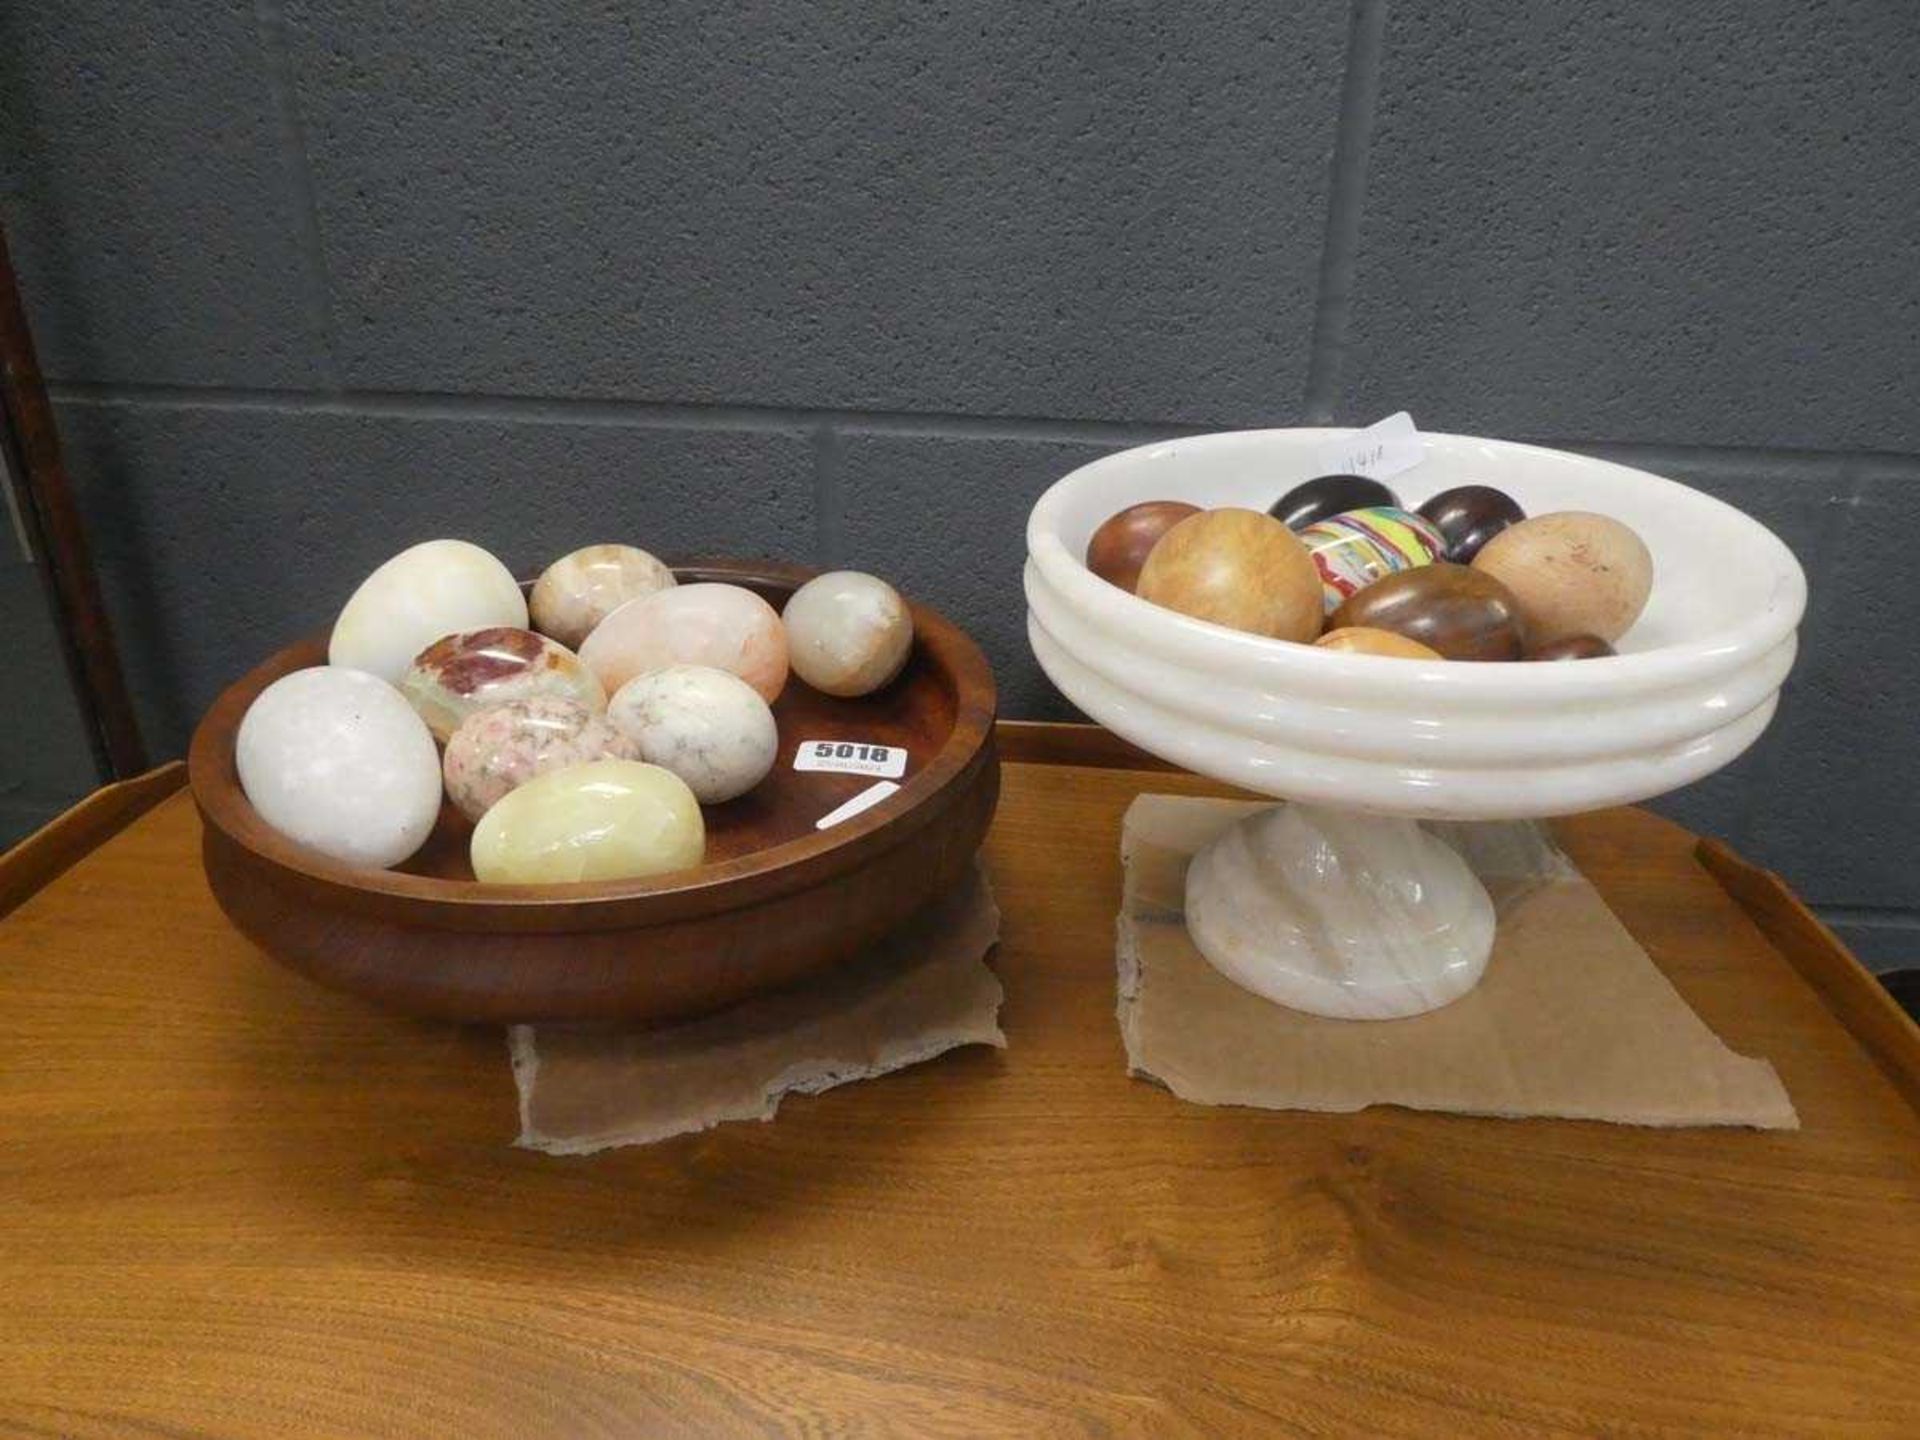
(1055, 742)
(1845, 986)
(75, 833)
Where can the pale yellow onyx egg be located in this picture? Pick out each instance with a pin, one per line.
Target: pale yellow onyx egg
(605, 820)
(581, 589)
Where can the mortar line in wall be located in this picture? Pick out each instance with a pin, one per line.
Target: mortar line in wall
(1346, 197)
(270, 17)
(407, 405)
(661, 414)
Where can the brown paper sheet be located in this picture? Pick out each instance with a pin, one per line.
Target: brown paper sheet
(1572, 1020)
(922, 991)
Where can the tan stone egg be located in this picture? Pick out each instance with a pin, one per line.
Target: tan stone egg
(581, 589)
(848, 633)
(1573, 573)
(1237, 568)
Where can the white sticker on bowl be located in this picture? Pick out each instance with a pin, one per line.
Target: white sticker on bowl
(851, 757)
(1378, 451)
(865, 800)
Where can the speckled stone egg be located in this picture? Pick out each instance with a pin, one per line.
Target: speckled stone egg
(725, 626)
(608, 820)
(707, 726)
(437, 588)
(459, 674)
(335, 760)
(500, 748)
(847, 633)
(581, 589)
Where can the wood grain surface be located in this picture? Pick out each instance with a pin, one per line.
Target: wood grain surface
(81, 829)
(238, 1204)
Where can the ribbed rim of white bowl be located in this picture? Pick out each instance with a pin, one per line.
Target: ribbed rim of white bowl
(1201, 644)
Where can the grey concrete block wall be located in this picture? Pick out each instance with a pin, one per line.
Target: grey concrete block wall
(1001, 209)
(318, 277)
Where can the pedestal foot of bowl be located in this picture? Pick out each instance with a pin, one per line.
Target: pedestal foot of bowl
(1354, 916)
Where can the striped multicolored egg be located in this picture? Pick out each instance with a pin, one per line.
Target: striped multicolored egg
(1353, 550)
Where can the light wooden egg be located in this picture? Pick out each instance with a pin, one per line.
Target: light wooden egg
(1363, 640)
(1573, 573)
(1237, 568)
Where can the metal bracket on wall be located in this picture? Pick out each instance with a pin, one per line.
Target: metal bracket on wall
(56, 536)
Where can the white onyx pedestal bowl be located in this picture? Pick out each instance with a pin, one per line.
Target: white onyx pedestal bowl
(1339, 903)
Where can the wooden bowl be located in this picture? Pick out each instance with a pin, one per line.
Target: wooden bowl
(776, 899)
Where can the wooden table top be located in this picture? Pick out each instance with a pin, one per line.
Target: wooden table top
(232, 1203)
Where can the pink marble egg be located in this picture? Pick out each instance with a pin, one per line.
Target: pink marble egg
(723, 626)
(499, 749)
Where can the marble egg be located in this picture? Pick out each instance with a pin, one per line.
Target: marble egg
(1124, 540)
(1356, 549)
(1574, 573)
(501, 748)
(1361, 640)
(439, 587)
(1330, 495)
(707, 726)
(459, 674)
(1237, 568)
(605, 820)
(581, 589)
(335, 760)
(1467, 517)
(725, 626)
(1574, 647)
(1452, 609)
(847, 633)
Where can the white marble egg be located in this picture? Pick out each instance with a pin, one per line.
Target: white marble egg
(336, 760)
(707, 726)
(435, 589)
(848, 633)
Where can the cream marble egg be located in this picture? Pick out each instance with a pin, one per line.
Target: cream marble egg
(606, 820)
(707, 726)
(581, 589)
(336, 760)
(847, 633)
(724, 626)
(434, 589)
